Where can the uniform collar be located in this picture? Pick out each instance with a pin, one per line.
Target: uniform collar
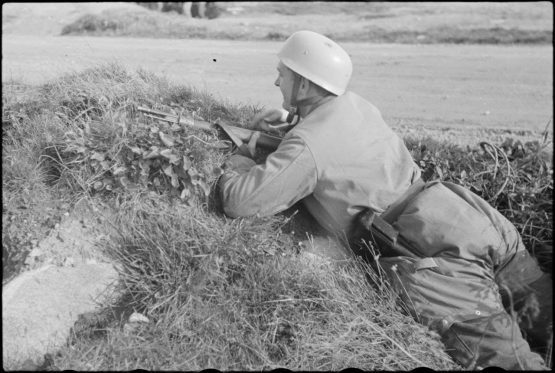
(312, 103)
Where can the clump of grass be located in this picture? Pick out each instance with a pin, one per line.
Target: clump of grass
(92, 24)
(278, 36)
(142, 23)
(452, 35)
(495, 35)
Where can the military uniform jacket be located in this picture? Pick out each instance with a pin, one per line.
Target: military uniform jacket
(340, 159)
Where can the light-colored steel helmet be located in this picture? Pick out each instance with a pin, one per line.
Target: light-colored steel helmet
(318, 59)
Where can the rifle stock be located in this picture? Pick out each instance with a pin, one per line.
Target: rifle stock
(268, 141)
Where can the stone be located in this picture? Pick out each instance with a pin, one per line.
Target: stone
(40, 307)
(138, 318)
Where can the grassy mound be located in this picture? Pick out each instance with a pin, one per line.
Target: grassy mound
(221, 293)
(233, 295)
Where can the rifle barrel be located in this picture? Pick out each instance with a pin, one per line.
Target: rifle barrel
(167, 117)
(159, 118)
(266, 140)
(155, 112)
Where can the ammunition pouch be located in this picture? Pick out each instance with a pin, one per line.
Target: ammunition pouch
(375, 234)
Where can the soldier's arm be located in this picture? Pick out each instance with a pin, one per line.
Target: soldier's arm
(288, 175)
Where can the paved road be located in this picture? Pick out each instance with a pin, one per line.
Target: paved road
(432, 85)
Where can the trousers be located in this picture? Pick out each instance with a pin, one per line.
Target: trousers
(471, 279)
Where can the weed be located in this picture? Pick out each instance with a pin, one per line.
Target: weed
(276, 36)
(91, 24)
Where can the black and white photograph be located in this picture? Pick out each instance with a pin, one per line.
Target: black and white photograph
(275, 185)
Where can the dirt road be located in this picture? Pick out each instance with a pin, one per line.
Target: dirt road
(431, 85)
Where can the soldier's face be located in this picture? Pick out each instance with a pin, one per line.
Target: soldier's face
(285, 81)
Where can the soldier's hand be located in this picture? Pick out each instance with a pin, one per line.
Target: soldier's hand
(264, 120)
(249, 150)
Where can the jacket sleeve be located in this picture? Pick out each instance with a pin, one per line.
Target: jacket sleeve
(288, 175)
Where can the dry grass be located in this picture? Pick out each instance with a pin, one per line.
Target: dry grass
(234, 295)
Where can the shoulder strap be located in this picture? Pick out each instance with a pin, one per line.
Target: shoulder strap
(382, 233)
(385, 236)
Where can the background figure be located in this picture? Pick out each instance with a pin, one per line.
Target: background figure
(198, 9)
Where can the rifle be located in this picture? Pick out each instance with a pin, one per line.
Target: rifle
(238, 135)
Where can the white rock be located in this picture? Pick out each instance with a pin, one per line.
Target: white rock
(138, 317)
(39, 308)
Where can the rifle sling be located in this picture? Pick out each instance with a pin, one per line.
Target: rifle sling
(385, 236)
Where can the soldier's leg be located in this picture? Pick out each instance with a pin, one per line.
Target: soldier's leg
(525, 289)
(462, 242)
(534, 307)
(460, 300)
(495, 340)
(529, 297)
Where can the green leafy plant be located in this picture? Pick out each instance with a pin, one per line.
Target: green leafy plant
(153, 155)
